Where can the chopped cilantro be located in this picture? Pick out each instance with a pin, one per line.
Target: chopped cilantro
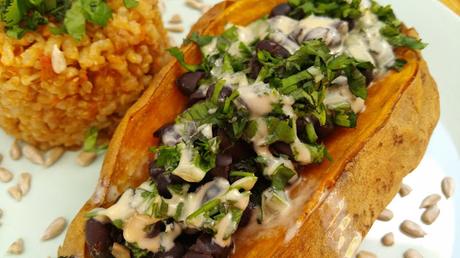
(177, 53)
(198, 39)
(118, 223)
(399, 64)
(130, 3)
(90, 143)
(281, 177)
(279, 130)
(167, 157)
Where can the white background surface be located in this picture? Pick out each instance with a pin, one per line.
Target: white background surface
(62, 189)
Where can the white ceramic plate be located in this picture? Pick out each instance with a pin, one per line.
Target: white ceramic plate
(62, 189)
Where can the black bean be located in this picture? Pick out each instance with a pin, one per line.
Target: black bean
(282, 9)
(98, 239)
(254, 67)
(163, 181)
(223, 160)
(159, 133)
(240, 150)
(281, 148)
(188, 82)
(218, 171)
(205, 245)
(273, 48)
(155, 229)
(155, 170)
(177, 251)
(196, 97)
(116, 234)
(246, 217)
(225, 141)
(369, 74)
(192, 254)
(224, 93)
(351, 24)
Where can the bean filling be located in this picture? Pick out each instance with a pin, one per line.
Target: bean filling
(261, 103)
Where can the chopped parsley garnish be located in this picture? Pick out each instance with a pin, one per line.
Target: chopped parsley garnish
(336, 9)
(392, 28)
(66, 16)
(90, 144)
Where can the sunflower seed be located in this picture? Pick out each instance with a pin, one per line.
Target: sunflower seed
(54, 229)
(388, 239)
(365, 254)
(53, 155)
(17, 247)
(412, 229)
(448, 187)
(175, 19)
(24, 182)
(15, 192)
(412, 253)
(5, 175)
(430, 200)
(386, 215)
(15, 151)
(404, 190)
(119, 251)
(194, 4)
(33, 154)
(430, 215)
(85, 159)
(175, 28)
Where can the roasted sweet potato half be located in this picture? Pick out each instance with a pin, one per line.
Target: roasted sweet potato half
(336, 201)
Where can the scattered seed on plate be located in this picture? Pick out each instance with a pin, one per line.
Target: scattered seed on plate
(430, 200)
(386, 215)
(17, 247)
(175, 19)
(175, 28)
(33, 154)
(194, 4)
(388, 239)
(85, 159)
(1, 158)
(5, 175)
(365, 254)
(412, 229)
(53, 156)
(448, 187)
(15, 192)
(120, 251)
(430, 215)
(54, 229)
(412, 253)
(15, 151)
(24, 182)
(404, 190)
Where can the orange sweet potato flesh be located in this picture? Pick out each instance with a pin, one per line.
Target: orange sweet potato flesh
(335, 203)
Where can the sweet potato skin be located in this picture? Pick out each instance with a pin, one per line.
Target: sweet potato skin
(344, 196)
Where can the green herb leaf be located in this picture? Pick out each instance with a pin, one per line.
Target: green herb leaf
(279, 130)
(96, 11)
(281, 177)
(130, 3)
(75, 22)
(90, 143)
(118, 223)
(167, 157)
(406, 41)
(345, 119)
(200, 40)
(177, 53)
(357, 83)
(399, 64)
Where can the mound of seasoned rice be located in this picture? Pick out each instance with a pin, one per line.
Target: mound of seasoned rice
(53, 88)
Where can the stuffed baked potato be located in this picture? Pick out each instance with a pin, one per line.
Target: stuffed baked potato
(328, 207)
